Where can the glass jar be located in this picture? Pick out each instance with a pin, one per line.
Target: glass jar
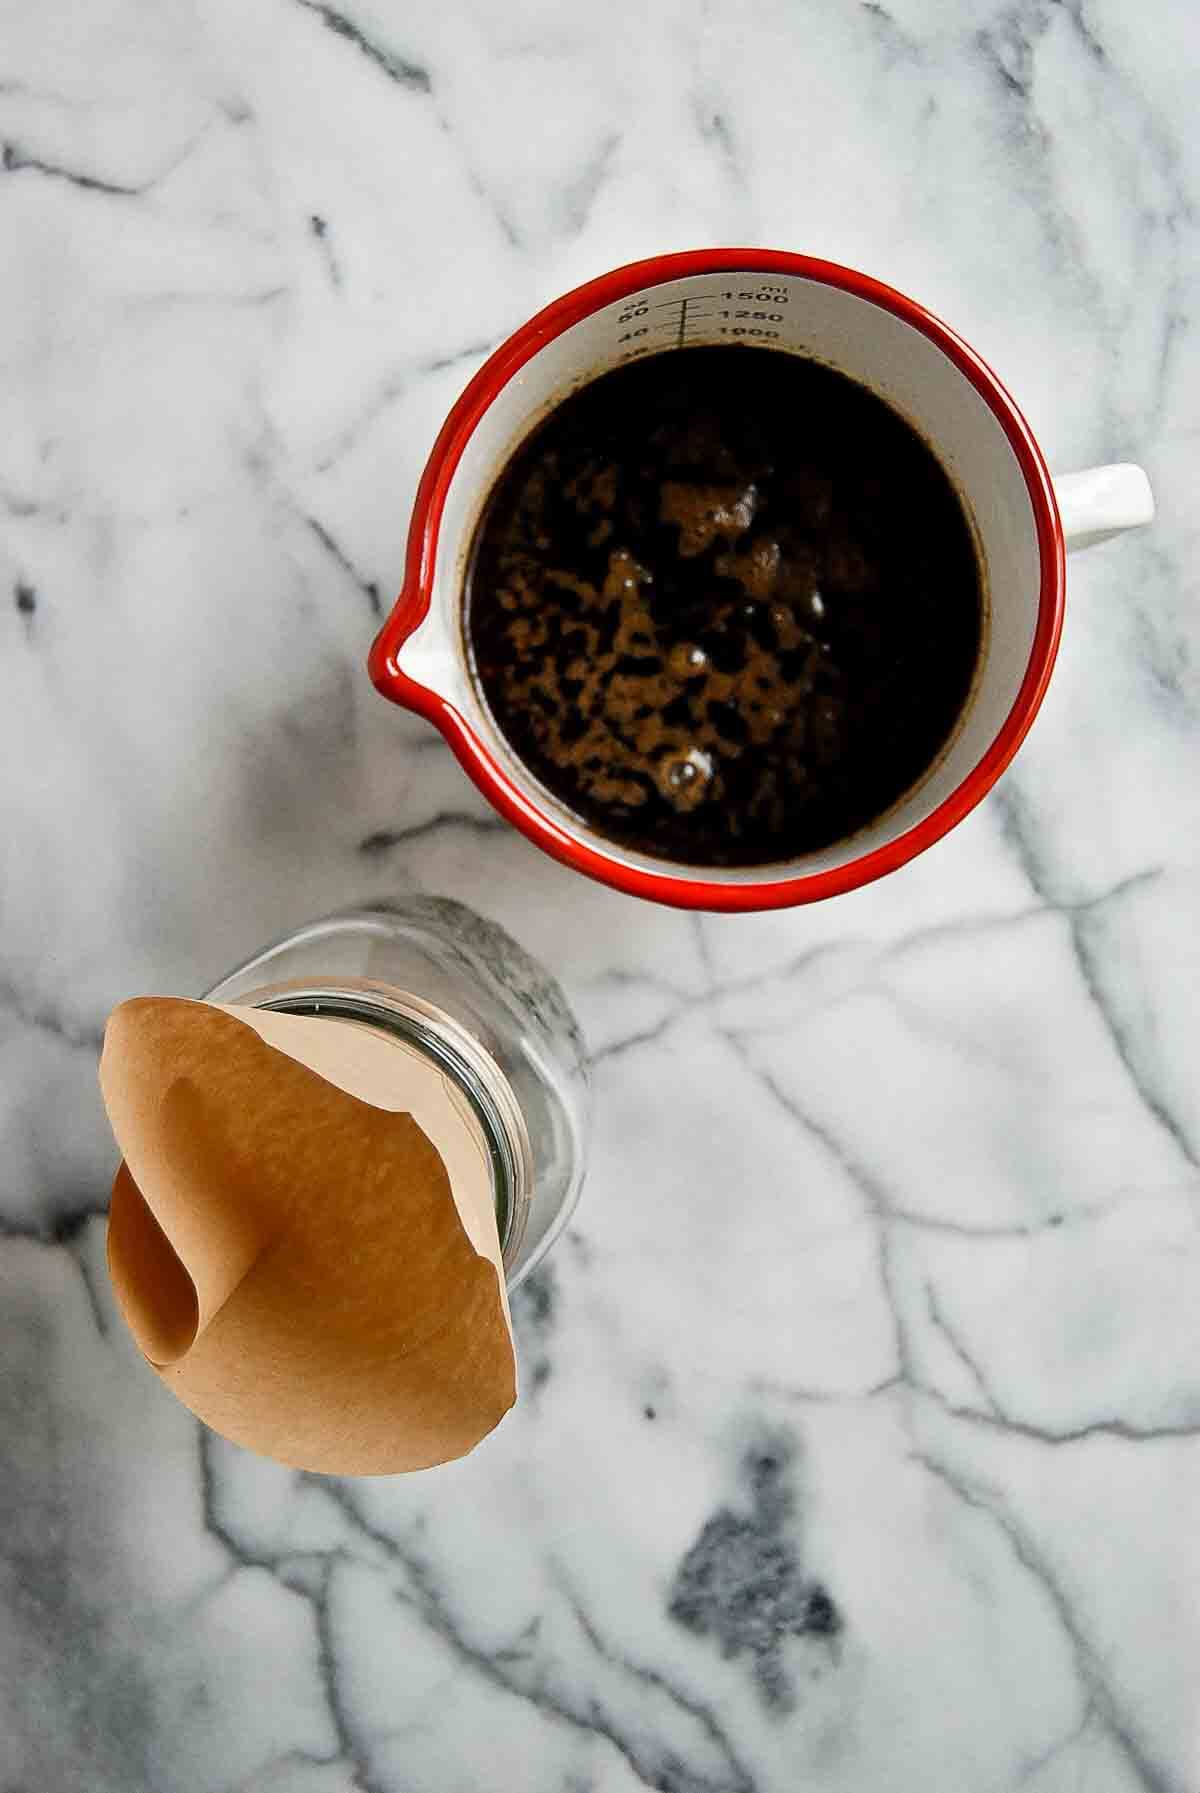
(460, 991)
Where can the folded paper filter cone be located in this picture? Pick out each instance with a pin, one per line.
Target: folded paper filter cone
(303, 1235)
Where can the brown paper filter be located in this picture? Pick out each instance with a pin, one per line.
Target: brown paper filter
(288, 1250)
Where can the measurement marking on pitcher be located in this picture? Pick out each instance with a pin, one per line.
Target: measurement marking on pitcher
(743, 312)
(680, 317)
(687, 315)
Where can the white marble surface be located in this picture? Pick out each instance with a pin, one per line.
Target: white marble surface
(860, 1442)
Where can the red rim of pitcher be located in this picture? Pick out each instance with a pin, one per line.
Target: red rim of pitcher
(517, 806)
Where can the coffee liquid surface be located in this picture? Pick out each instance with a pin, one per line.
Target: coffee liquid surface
(725, 604)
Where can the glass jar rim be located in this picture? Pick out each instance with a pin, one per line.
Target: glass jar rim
(443, 1040)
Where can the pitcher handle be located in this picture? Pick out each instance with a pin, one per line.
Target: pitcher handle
(1102, 502)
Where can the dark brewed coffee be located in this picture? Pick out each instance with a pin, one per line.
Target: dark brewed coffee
(725, 604)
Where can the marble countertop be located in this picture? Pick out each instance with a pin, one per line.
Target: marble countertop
(860, 1440)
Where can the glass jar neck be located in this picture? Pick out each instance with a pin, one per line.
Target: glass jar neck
(441, 1039)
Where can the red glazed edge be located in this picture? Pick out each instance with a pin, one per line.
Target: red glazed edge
(414, 600)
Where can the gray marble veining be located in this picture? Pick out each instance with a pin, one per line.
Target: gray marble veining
(859, 1442)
